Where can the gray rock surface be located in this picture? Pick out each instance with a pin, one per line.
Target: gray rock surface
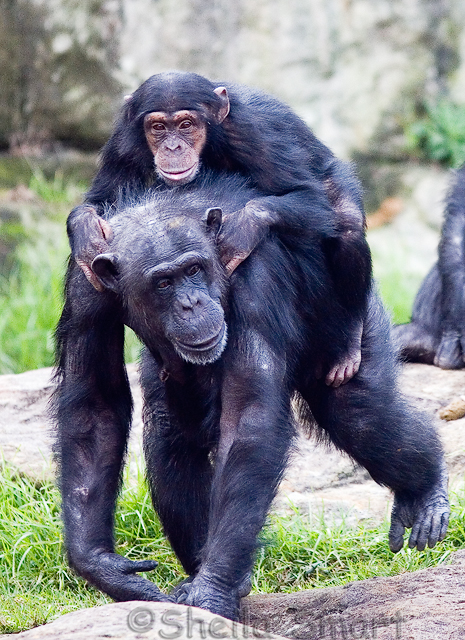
(317, 480)
(425, 605)
(355, 70)
(148, 620)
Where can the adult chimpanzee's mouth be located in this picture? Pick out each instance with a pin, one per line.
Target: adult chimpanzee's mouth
(206, 345)
(204, 352)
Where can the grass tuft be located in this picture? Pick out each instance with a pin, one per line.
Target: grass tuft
(297, 552)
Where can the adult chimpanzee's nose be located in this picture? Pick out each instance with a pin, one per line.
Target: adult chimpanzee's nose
(188, 301)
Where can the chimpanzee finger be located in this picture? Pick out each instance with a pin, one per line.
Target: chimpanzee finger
(234, 263)
(396, 535)
(444, 525)
(421, 532)
(178, 589)
(436, 524)
(139, 565)
(183, 593)
(329, 380)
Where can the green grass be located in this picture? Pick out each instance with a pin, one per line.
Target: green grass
(31, 288)
(297, 553)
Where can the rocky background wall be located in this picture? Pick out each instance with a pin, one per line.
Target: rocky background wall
(354, 69)
(358, 71)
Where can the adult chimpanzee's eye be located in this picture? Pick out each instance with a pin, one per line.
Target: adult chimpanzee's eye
(185, 124)
(193, 270)
(164, 284)
(158, 126)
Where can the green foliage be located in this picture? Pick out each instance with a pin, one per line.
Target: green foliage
(440, 134)
(30, 303)
(31, 288)
(36, 584)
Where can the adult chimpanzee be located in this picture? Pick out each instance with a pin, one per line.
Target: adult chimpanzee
(436, 333)
(217, 417)
(178, 124)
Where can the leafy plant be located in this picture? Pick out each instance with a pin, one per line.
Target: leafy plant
(440, 134)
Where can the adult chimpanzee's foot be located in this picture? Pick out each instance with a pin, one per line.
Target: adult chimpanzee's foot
(427, 516)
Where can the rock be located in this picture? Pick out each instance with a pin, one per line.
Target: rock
(355, 71)
(454, 410)
(26, 430)
(423, 605)
(317, 480)
(147, 620)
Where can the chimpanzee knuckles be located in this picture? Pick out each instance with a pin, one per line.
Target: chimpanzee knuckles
(104, 267)
(223, 111)
(449, 353)
(115, 575)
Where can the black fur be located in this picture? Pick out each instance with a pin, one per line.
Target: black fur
(217, 436)
(436, 332)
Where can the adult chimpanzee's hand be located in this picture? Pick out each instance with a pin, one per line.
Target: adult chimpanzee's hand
(427, 516)
(114, 575)
(89, 235)
(240, 233)
(208, 592)
(450, 351)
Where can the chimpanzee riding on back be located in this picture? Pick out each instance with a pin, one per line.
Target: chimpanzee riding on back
(176, 126)
(223, 359)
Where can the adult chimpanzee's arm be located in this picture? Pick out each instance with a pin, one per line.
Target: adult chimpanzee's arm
(451, 351)
(93, 407)
(256, 433)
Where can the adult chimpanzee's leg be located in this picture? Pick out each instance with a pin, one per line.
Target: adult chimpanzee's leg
(93, 410)
(178, 464)
(369, 419)
(256, 432)
(418, 340)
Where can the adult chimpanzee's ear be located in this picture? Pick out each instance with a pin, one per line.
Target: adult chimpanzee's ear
(223, 111)
(105, 267)
(213, 218)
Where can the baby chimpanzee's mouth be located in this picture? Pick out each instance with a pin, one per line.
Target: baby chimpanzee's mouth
(178, 176)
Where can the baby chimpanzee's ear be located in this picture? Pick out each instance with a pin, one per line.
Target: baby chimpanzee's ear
(213, 219)
(105, 267)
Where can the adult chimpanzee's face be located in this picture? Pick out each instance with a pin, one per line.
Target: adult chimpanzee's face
(187, 303)
(169, 279)
(176, 141)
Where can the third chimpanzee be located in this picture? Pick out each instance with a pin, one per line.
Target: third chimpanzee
(176, 125)
(436, 333)
(223, 359)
